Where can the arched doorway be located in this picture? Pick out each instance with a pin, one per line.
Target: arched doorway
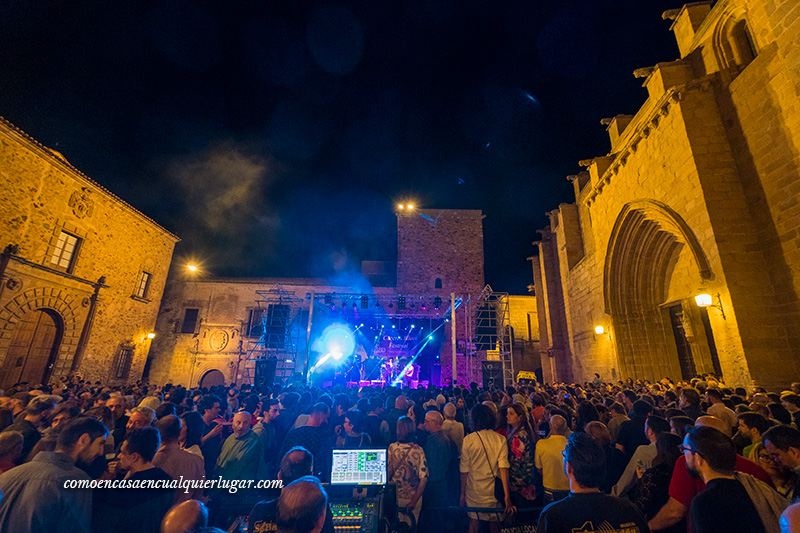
(653, 262)
(33, 349)
(212, 378)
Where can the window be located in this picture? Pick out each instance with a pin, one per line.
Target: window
(189, 321)
(122, 362)
(144, 285)
(65, 252)
(255, 323)
(438, 283)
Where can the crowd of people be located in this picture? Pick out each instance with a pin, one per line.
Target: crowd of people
(634, 456)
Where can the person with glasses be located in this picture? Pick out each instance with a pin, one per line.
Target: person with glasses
(784, 479)
(587, 508)
(683, 487)
(726, 504)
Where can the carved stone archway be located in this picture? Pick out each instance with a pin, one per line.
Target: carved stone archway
(645, 244)
(51, 298)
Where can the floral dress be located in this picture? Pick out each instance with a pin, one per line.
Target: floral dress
(520, 459)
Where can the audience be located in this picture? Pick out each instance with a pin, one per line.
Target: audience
(512, 454)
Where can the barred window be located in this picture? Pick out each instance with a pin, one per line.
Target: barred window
(65, 252)
(121, 366)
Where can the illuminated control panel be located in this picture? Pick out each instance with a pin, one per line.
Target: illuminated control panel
(360, 515)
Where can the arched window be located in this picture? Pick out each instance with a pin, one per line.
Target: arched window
(735, 46)
(438, 283)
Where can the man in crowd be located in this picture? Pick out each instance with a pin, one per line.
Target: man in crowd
(314, 438)
(266, 429)
(783, 443)
(117, 405)
(752, 426)
(19, 402)
(618, 416)
(631, 433)
(297, 463)
(242, 456)
(132, 510)
(175, 462)
(690, 403)
(37, 412)
(725, 504)
(643, 456)
(683, 487)
(390, 418)
(186, 517)
(441, 455)
(791, 402)
(586, 508)
(718, 409)
(211, 442)
(301, 507)
(33, 495)
(550, 462)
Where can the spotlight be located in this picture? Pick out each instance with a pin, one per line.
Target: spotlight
(192, 268)
(413, 326)
(410, 206)
(599, 330)
(400, 206)
(151, 335)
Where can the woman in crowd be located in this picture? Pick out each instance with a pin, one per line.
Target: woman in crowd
(407, 469)
(484, 457)
(353, 435)
(615, 459)
(521, 444)
(651, 491)
(784, 479)
(587, 412)
(191, 432)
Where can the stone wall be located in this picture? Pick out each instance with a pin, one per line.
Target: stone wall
(44, 195)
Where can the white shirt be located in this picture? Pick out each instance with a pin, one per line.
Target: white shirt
(480, 472)
(723, 413)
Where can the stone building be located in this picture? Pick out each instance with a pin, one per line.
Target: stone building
(214, 330)
(82, 273)
(698, 195)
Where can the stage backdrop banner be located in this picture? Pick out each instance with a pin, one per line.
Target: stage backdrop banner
(399, 346)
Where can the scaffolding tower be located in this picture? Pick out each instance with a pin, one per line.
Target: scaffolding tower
(492, 332)
(271, 333)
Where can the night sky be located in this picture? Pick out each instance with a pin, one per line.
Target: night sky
(275, 137)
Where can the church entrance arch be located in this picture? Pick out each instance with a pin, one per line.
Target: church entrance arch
(656, 334)
(212, 378)
(33, 349)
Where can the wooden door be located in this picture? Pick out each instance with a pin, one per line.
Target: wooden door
(33, 348)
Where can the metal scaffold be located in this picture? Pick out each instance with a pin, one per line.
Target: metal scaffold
(491, 337)
(271, 333)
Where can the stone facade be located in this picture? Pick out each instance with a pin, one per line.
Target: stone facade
(699, 194)
(440, 252)
(73, 278)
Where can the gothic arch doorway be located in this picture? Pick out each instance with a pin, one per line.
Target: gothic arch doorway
(33, 349)
(653, 263)
(212, 378)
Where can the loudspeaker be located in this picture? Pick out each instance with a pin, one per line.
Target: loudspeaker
(492, 374)
(265, 373)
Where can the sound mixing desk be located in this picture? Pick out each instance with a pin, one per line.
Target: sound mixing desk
(356, 515)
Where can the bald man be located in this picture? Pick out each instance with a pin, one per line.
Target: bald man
(190, 515)
(242, 455)
(683, 487)
(790, 519)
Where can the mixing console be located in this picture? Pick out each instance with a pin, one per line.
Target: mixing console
(356, 515)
